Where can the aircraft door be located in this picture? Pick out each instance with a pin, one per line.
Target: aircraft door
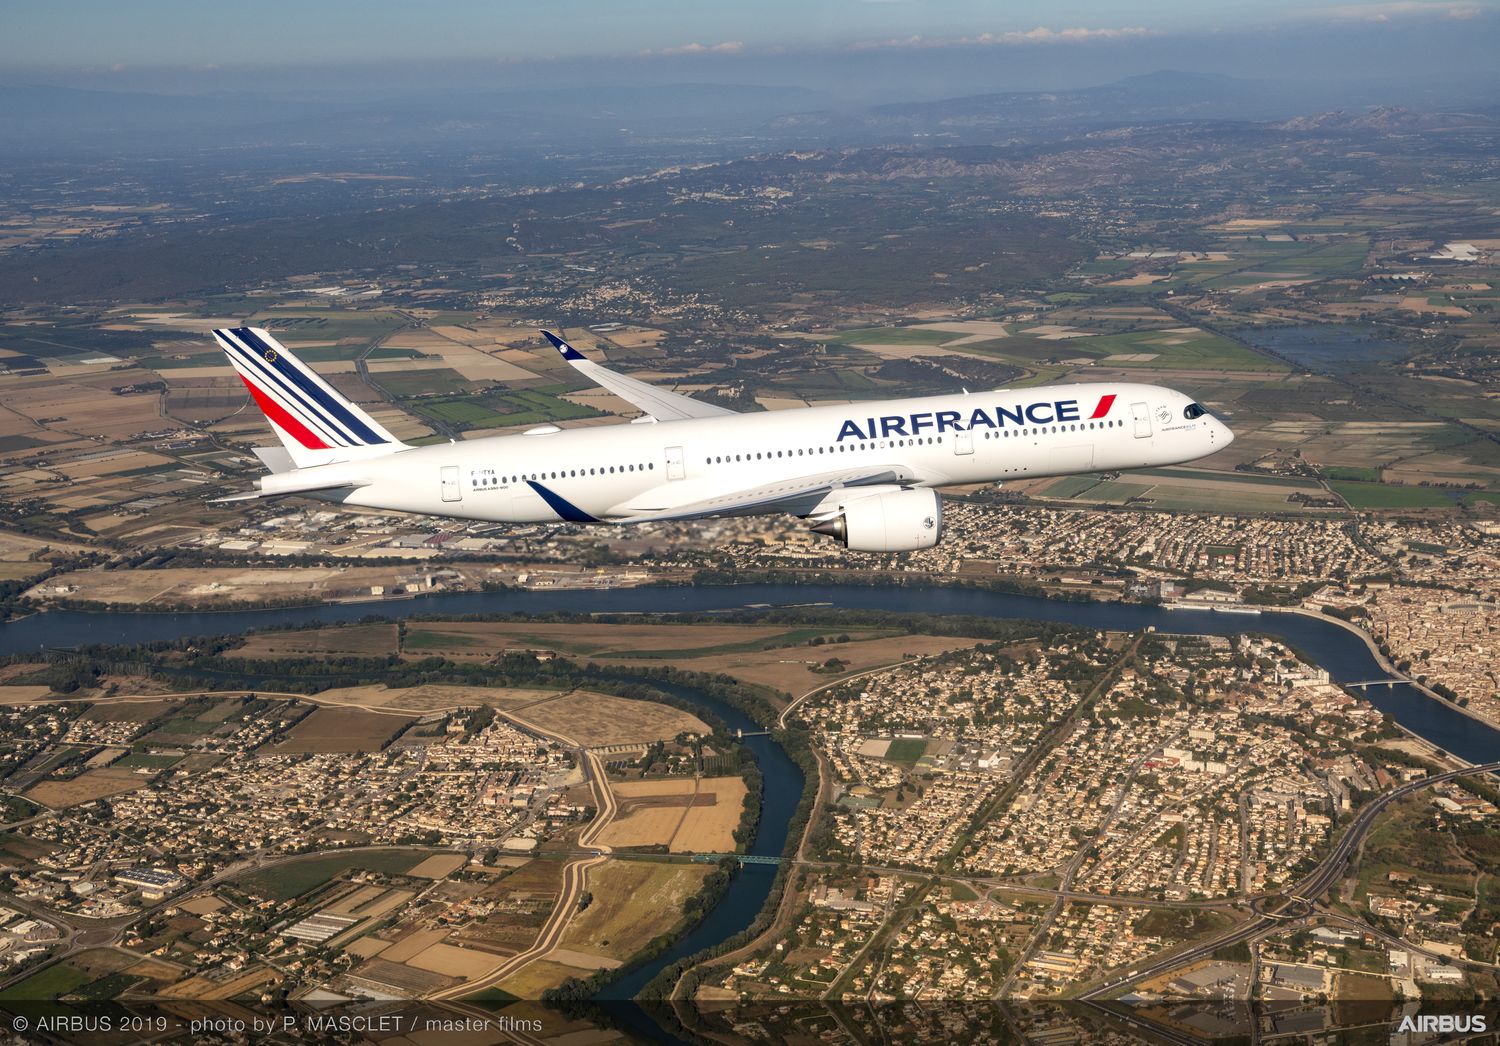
(1142, 419)
(963, 442)
(451, 490)
(675, 467)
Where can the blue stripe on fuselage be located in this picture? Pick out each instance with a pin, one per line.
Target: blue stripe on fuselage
(565, 509)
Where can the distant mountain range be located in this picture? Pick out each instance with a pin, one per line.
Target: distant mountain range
(38, 120)
(1153, 97)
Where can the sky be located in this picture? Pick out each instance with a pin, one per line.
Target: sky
(197, 46)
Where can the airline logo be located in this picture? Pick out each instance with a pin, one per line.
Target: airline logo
(295, 399)
(1042, 412)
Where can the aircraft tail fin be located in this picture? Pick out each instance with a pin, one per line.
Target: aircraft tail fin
(317, 425)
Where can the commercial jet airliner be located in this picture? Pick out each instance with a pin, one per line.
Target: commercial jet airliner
(862, 473)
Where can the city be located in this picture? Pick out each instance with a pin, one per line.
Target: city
(1196, 753)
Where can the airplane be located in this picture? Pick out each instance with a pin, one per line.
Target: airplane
(864, 474)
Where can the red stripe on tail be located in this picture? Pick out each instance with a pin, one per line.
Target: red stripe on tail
(273, 410)
(1105, 402)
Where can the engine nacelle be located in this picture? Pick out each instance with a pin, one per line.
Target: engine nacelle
(899, 521)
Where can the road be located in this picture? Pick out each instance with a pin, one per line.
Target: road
(1039, 936)
(1321, 879)
(786, 712)
(575, 875)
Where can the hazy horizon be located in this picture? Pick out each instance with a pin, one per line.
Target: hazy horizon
(852, 53)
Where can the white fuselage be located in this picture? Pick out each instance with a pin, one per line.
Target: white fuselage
(614, 472)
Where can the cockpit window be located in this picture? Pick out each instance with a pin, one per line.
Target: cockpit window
(1193, 412)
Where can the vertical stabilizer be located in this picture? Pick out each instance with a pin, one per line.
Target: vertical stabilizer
(317, 425)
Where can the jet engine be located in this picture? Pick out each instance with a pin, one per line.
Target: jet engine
(899, 521)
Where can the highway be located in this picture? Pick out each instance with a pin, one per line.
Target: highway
(1309, 889)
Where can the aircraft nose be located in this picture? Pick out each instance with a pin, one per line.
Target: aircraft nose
(1226, 434)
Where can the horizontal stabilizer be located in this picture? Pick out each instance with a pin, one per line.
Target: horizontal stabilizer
(277, 459)
(301, 481)
(659, 403)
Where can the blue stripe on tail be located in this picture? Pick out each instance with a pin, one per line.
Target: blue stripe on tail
(331, 405)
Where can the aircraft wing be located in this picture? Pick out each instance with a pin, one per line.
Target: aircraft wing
(659, 403)
(798, 496)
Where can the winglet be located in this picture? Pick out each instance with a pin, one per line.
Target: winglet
(568, 352)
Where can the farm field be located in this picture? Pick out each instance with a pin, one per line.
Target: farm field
(46, 984)
(536, 977)
(451, 961)
(685, 815)
(211, 988)
(673, 641)
(128, 711)
(432, 697)
(375, 639)
(591, 719)
(438, 866)
(633, 901)
(287, 879)
(1388, 495)
(1183, 490)
(790, 670)
(341, 730)
(208, 586)
(86, 787)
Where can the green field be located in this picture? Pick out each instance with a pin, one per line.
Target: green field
(1208, 499)
(420, 639)
(906, 750)
(1070, 486)
(291, 325)
(47, 984)
(499, 409)
(1116, 492)
(1353, 473)
(1387, 495)
(1248, 479)
(1198, 350)
(294, 878)
(796, 637)
(329, 353)
(108, 986)
(429, 381)
(182, 725)
(461, 412)
(138, 760)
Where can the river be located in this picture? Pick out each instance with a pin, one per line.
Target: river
(1344, 654)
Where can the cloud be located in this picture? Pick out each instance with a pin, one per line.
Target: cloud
(1040, 35)
(726, 47)
(1387, 9)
